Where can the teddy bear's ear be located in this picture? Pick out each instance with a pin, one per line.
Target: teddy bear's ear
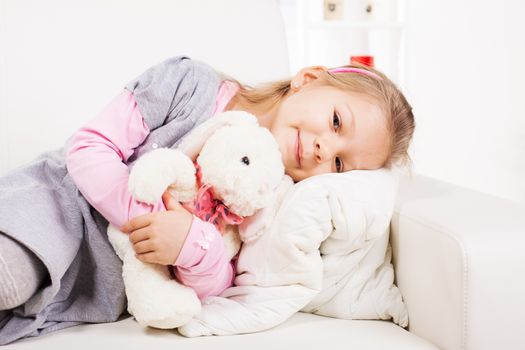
(193, 142)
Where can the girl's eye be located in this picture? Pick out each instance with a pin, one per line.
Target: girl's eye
(336, 121)
(338, 164)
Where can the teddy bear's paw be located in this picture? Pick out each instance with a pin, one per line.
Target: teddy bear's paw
(154, 298)
(156, 170)
(183, 193)
(171, 306)
(232, 241)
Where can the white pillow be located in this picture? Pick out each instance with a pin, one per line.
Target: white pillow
(322, 243)
(358, 277)
(321, 247)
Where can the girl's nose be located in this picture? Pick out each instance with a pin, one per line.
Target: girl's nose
(321, 151)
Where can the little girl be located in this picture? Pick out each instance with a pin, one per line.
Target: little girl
(57, 268)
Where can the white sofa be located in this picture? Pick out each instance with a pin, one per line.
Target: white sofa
(457, 253)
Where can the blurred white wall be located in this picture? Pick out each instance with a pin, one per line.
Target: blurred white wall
(463, 73)
(62, 61)
(463, 70)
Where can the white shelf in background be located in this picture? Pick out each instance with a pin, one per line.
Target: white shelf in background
(353, 25)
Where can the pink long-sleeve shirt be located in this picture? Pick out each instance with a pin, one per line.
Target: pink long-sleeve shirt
(106, 142)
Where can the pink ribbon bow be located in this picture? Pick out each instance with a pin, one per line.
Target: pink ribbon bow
(208, 208)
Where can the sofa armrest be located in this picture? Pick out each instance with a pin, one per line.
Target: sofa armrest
(459, 263)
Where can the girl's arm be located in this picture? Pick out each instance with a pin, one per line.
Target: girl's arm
(97, 154)
(202, 263)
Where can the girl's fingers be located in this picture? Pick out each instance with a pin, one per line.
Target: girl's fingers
(150, 257)
(137, 223)
(143, 247)
(139, 235)
(169, 202)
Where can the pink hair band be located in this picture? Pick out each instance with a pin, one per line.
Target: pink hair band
(355, 70)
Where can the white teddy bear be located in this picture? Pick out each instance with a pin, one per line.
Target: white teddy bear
(240, 161)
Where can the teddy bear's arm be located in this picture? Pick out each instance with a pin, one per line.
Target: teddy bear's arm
(157, 170)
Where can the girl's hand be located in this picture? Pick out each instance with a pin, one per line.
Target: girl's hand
(158, 237)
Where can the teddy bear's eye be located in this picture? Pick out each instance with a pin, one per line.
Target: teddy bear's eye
(245, 160)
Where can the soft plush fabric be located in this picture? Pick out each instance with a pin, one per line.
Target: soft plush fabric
(322, 248)
(358, 277)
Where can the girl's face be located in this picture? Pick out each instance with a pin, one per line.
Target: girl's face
(322, 129)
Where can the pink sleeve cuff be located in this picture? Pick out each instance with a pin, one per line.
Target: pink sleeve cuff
(202, 263)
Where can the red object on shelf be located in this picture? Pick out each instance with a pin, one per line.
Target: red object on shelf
(364, 60)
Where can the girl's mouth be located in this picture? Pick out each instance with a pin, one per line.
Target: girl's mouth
(298, 149)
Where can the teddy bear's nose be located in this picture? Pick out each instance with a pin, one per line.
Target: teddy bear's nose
(245, 160)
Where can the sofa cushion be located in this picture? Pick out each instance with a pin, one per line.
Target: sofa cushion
(302, 331)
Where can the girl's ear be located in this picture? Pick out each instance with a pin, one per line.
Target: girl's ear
(307, 75)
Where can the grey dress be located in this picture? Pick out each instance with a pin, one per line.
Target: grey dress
(41, 207)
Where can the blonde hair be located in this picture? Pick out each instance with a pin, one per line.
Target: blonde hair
(400, 119)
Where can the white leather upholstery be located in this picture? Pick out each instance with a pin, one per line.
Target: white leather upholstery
(302, 331)
(460, 266)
